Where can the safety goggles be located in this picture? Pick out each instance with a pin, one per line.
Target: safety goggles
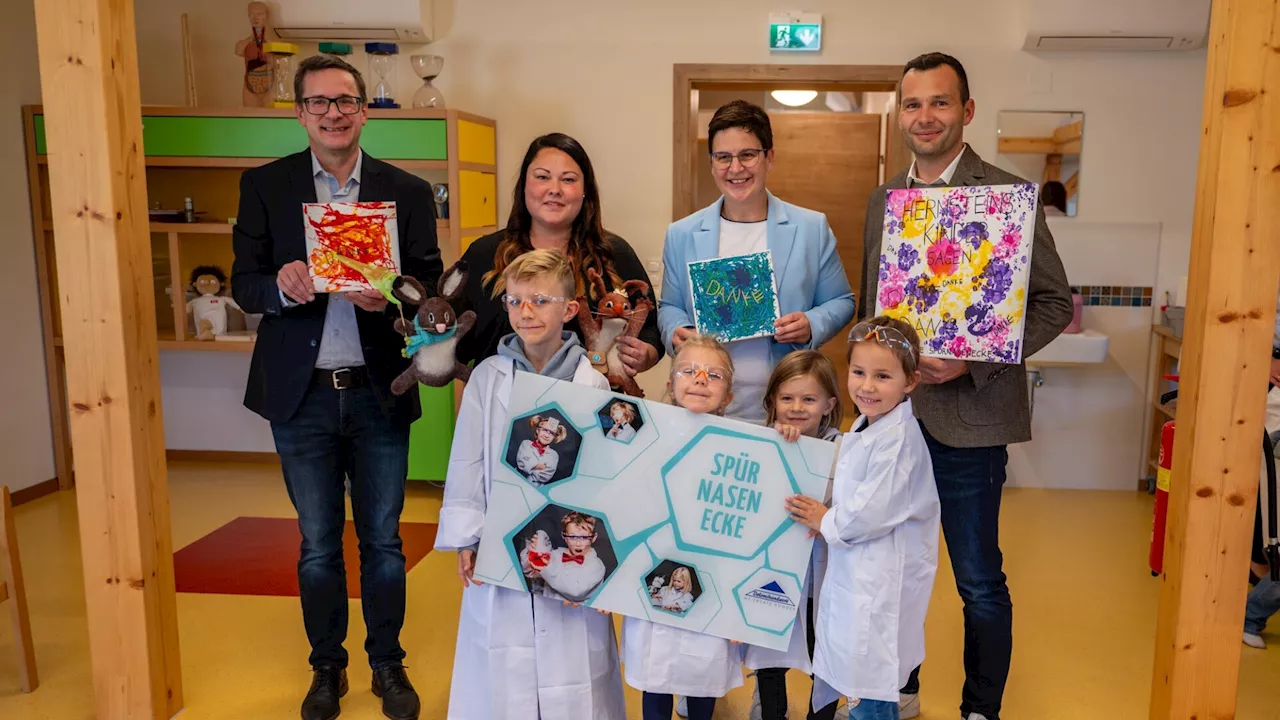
(885, 337)
(539, 301)
(709, 373)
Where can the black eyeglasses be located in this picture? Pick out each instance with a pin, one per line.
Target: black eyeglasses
(748, 158)
(319, 105)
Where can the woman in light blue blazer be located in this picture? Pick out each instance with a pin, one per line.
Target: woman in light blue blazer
(813, 291)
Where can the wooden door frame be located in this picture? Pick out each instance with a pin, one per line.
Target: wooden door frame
(690, 77)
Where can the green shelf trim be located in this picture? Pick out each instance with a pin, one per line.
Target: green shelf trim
(431, 436)
(175, 136)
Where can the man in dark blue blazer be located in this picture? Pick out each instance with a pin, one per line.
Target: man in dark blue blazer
(321, 374)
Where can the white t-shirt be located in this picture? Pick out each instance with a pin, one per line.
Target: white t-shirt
(752, 359)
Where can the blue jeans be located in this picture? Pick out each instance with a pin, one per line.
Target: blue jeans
(970, 481)
(340, 435)
(864, 710)
(655, 706)
(1264, 601)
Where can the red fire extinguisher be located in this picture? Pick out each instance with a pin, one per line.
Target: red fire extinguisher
(1156, 558)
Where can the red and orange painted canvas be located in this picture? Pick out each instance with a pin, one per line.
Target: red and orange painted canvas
(349, 242)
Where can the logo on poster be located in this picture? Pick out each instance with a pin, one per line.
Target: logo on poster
(772, 593)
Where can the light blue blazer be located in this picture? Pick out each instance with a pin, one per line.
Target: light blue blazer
(807, 270)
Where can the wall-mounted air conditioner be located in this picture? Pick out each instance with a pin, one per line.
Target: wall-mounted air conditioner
(404, 21)
(1105, 25)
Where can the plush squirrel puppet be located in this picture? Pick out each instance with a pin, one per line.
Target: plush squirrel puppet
(615, 316)
(431, 338)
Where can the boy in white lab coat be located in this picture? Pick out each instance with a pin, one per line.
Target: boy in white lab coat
(521, 656)
(573, 572)
(881, 531)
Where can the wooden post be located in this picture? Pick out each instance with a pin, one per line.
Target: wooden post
(1235, 263)
(93, 122)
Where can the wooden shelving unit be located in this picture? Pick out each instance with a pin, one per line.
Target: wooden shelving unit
(1168, 353)
(201, 153)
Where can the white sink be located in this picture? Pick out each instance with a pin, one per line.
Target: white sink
(1083, 348)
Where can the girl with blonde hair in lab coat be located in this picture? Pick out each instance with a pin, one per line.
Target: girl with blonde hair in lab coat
(535, 457)
(677, 594)
(521, 656)
(881, 532)
(801, 399)
(661, 660)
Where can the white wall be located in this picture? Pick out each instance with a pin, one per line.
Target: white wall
(26, 440)
(602, 72)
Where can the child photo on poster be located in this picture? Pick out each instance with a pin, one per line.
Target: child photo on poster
(565, 554)
(543, 447)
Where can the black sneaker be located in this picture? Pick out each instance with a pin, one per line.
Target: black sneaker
(399, 699)
(327, 685)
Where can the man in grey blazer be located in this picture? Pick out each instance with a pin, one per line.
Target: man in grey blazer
(969, 411)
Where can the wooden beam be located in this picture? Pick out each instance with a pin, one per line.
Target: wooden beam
(15, 592)
(1027, 145)
(1067, 133)
(1235, 263)
(1052, 169)
(89, 77)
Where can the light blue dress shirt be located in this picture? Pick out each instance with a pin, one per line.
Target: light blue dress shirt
(340, 343)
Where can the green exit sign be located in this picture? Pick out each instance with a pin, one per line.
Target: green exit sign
(795, 32)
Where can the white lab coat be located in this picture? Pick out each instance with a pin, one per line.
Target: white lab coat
(569, 580)
(672, 661)
(519, 656)
(622, 432)
(669, 598)
(527, 458)
(882, 536)
(796, 655)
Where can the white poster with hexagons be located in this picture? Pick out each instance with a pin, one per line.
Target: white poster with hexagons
(648, 510)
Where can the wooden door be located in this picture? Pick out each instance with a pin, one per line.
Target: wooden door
(897, 156)
(830, 162)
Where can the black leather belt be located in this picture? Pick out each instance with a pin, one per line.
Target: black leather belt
(342, 378)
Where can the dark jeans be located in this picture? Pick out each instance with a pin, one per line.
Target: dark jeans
(660, 707)
(772, 682)
(338, 435)
(970, 481)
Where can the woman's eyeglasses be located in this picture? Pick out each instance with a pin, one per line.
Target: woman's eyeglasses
(539, 301)
(319, 105)
(748, 158)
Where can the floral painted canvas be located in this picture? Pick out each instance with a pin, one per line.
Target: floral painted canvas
(351, 246)
(955, 263)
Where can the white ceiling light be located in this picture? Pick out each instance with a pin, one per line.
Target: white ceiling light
(794, 98)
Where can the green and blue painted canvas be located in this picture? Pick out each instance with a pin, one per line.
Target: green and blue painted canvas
(734, 298)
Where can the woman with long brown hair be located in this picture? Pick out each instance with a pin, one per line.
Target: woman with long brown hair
(555, 205)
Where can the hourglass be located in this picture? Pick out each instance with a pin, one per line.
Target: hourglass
(428, 68)
(382, 68)
(280, 57)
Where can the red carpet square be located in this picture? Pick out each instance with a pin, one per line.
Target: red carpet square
(259, 556)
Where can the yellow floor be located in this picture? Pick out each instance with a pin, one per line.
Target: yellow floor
(1084, 616)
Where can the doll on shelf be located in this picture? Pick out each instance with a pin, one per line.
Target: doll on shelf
(256, 90)
(209, 308)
